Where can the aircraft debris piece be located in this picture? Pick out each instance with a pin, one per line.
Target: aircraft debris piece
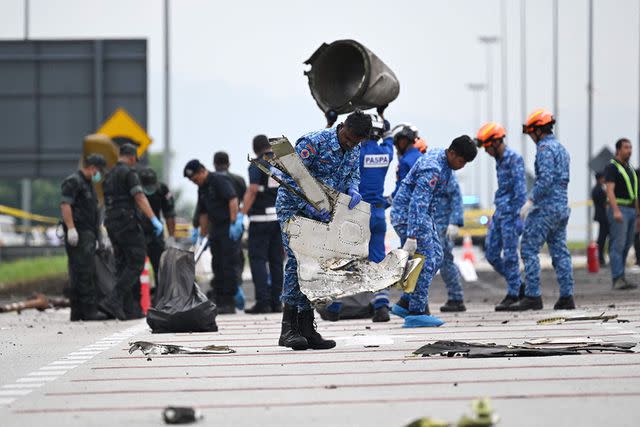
(332, 257)
(148, 348)
(559, 320)
(488, 350)
(37, 301)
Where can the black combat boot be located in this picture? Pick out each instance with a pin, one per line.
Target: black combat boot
(452, 306)
(381, 314)
(527, 303)
(290, 335)
(307, 326)
(258, 308)
(91, 313)
(507, 302)
(112, 306)
(276, 307)
(76, 312)
(131, 306)
(565, 303)
(523, 288)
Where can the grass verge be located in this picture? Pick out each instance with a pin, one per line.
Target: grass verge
(25, 270)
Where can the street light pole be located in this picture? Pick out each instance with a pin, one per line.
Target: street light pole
(166, 158)
(523, 76)
(25, 183)
(476, 90)
(589, 114)
(504, 68)
(556, 111)
(489, 41)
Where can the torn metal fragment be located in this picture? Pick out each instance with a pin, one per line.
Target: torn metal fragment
(148, 348)
(559, 320)
(487, 350)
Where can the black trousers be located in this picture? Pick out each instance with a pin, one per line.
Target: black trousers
(129, 251)
(155, 247)
(603, 233)
(224, 260)
(265, 248)
(82, 267)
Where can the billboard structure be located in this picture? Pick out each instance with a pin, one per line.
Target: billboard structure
(54, 92)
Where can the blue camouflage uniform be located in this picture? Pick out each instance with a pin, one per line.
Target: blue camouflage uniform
(449, 211)
(548, 217)
(501, 246)
(322, 155)
(405, 163)
(413, 215)
(374, 164)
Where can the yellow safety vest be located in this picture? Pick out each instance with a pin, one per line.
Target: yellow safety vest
(633, 191)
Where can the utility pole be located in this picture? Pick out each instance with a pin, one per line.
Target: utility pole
(476, 90)
(589, 114)
(25, 183)
(166, 158)
(489, 41)
(523, 76)
(556, 111)
(503, 59)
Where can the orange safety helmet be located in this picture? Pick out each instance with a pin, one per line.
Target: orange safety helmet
(537, 119)
(420, 144)
(488, 133)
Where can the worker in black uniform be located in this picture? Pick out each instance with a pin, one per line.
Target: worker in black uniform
(162, 203)
(599, 198)
(218, 210)
(221, 165)
(122, 194)
(80, 220)
(265, 238)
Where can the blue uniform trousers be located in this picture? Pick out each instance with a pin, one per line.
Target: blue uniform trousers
(548, 226)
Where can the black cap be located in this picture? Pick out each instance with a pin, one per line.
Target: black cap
(192, 167)
(148, 179)
(95, 160)
(260, 144)
(220, 158)
(128, 150)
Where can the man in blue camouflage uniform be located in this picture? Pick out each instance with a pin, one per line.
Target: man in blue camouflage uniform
(374, 163)
(546, 215)
(404, 137)
(449, 216)
(331, 156)
(413, 216)
(501, 246)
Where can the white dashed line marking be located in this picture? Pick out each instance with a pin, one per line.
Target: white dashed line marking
(25, 385)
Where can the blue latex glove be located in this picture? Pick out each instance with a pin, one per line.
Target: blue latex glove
(236, 229)
(157, 226)
(195, 235)
(323, 215)
(355, 197)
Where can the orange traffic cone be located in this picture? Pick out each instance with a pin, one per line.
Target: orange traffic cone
(467, 249)
(145, 289)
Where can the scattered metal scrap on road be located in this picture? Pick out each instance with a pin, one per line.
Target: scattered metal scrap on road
(37, 301)
(485, 350)
(148, 348)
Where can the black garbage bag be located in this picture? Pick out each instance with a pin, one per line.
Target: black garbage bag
(181, 306)
(105, 273)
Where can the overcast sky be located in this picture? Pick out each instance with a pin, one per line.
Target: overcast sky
(236, 69)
